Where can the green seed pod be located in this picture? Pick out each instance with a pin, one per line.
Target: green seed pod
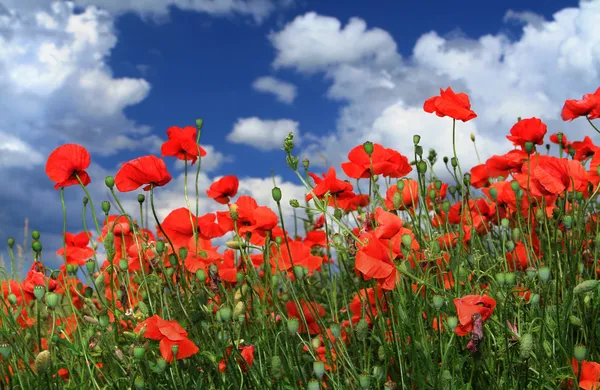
(585, 287)
(313, 384)
(5, 350)
(438, 302)
(416, 139)
(544, 274)
(338, 214)
(103, 320)
(12, 299)
(452, 322)
(319, 369)
(201, 275)
(225, 313)
(143, 308)
(580, 352)
(106, 207)
(531, 272)
(292, 325)
(160, 247)
(139, 383)
(567, 221)
(42, 362)
(368, 148)
(511, 279)
(526, 345)
(51, 300)
(300, 272)
(141, 198)
(406, 240)
(365, 381)
(362, 329)
(123, 264)
(35, 234)
(421, 167)
(90, 265)
(11, 242)
(170, 271)
(183, 252)
(535, 299)
(294, 203)
(335, 330)
(509, 246)
(161, 365)
(39, 291)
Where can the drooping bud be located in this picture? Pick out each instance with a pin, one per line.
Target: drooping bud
(109, 181)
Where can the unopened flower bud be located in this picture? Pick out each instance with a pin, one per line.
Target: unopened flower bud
(294, 203)
(526, 345)
(319, 369)
(11, 242)
(141, 198)
(544, 274)
(37, 247)
(362, 329)
(51, 300)
(42, 362)
(452, 323)
(276, 193)
(106, 207)
(293, 325)
(109, 181)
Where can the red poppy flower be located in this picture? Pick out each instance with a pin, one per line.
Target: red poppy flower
(316, 238)
(178, 227)
(182, 144)
(67, 162)
(505, 164)
(365, 304)
(77, 250)
(247, 354)
(148, 170)
(469, 305)
(552, 176)
(588, 106)
(301, 255)
(170, 334)
(223, 189)
(373, 261)
(389, 224)
(329, 183)
(311, 310)
(590, 374)
(456, 106)
(405, 199)
(584, 149)
(479, 176)
(528, 130)
(383, 161)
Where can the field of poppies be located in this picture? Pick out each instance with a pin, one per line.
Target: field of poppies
(392, 278)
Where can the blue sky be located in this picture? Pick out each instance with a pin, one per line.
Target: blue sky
(114, 75)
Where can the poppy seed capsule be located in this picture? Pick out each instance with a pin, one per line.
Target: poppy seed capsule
(294, 203)
(141, 198)
(39, 291)
(579, 352)
(368, 148)
(421, 167)
(12, 298)
(35, 234)
(438, 302)
(109, 181)
(5, 350)
(544, 274)
(139, 352)
(11, 242)
(365, 381)
(313, 384)
(106, 207)
(319, 369)
(452, 322)
(51, 300)
(292, 325)
(362, 329)
(139, 383)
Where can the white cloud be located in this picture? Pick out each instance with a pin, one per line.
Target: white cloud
(524, 17)
(159, 9)
(263, 134)
(284, 91)
(505, 79)
(312, 42)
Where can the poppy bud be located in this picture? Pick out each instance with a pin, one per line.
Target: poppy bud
(51, 300)
(183, 252)
(141, 198)
(85, 201)
(452, 322)
(292, 325)
(467, 179)
(544, 274)
(362, 329)
(445, 159)
(279, 240)
(368, 148)
(160, 247)
(225, 313)
(236, 244)
(305, 164)
(585, 287)
(233, 212)
(446, 206)
(276, 366)
(567, 221)
(431, 194)
(529, 147)
(123, 264)
(39, 291)
(294, 203)
(99, 280)
(300, 272)
(337, 213)
(11, 242)
(406, 240)
(416, 139)
(452, 190)
(42, 362)
(12, 299)
(288, 143)
(335, 330)
(516, 234)
(139, 383)
(106, 207)
(378, 372)
(313, 384)
(579, 352)
(526, 345)
(494, 193)
(454, 162)
(5, 350)
(36, 246)
(509, 246)
(276, 193)
(419, 150)
(421, 167)
(109, 181)
(472, 137)
(534, 299)
(575, 321)
(35, 234)
(319, 369)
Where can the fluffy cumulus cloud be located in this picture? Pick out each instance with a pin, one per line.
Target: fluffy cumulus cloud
(383, 93)
(213, 160)
(263, 134)
(284, 92)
